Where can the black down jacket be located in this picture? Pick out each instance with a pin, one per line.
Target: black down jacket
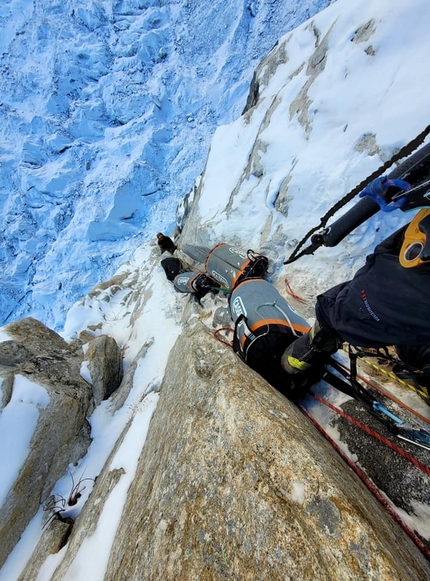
(384, 304)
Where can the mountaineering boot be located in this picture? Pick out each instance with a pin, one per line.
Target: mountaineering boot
(309, 349)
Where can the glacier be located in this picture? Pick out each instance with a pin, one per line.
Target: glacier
(107, 110)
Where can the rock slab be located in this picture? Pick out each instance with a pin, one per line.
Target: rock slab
(234, 483)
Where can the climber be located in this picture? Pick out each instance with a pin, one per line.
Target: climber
(385, 303)
(165, 243)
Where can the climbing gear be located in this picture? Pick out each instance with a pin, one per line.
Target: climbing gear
(414, 170)
(172, 267)
(310, 349)
(289, 291)
(192, 282)
(379, 191)
(225, 341)
(413, 376)
(384, 392)
(415, 249)
(346, 381)
(229, 265)
(257, 302)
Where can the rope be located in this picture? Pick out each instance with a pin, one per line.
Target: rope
(422, 391)
(392, 375)
(403, 152)
(387, 394)
(220, 339)
(375, 435)
(373, 489)
(290, 292)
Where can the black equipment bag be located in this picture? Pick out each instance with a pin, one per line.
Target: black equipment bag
(172, 267)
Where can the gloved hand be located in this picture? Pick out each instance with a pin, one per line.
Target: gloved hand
(383, 189)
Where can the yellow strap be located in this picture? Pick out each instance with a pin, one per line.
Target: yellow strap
(413, 241)
(297, 364)
(422, 391)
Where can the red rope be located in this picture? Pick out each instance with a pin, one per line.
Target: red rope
(377, 436)
(292, 293)
(373, 489)
(228, 343)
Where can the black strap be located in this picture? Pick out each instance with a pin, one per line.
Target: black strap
(237, 348)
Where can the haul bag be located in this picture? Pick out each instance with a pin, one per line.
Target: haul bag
(186, 281)
(194, 282)
(229, 265)
(172, 267)
(261, 304)
(265, 324)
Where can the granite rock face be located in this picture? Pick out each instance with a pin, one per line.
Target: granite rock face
(42, 362)
(61, 434)
(234, 483)
(105, 366)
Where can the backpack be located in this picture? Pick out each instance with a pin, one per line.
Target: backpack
(172, 267)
